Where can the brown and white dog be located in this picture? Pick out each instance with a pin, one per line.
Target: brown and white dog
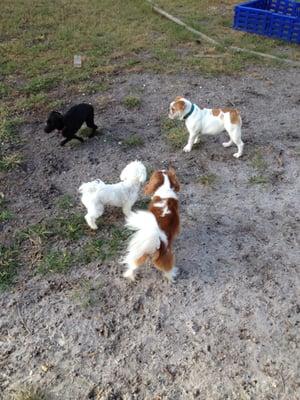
(155, 228)
(208, 122)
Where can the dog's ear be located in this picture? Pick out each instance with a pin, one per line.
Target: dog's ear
(155, 181)
(173, 179)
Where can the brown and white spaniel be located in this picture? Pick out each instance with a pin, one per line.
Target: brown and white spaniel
(156, 228)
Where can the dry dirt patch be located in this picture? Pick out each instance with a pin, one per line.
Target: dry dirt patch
(229, 328)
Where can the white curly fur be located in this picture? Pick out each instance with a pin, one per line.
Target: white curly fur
(95, 194)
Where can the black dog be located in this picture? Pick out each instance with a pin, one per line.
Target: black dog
(71, 122)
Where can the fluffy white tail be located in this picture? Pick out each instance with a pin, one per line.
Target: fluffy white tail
(147, 238)
(91, 187)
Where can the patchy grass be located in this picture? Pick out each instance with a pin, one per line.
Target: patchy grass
(30, 393)
(9, 161)
(133, 141)
(55, 261)
(174, 132)
(258, 162)
(208, 179)
(9, 128)
(8, 265)
(5, 214)
(131, 102)
(65, 202)
(89, 293)
(258, 180)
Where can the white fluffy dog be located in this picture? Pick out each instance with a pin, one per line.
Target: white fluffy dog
(124, 194)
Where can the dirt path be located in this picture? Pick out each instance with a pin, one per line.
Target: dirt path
(229, 328)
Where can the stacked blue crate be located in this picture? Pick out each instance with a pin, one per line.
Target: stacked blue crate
(274, 18)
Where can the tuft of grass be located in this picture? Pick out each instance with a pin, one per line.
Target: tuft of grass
(258, 162)
(208, 180)
(30, 393)
(8, 265)
(133, 141)
(65, 202)
(131, 102)
(55, 261)
(40, 84)
(9, 161)
(258, 180)
(5, 214)
(88, 294)
(8, 129)
(174, 133)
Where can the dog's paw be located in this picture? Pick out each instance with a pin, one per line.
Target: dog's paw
(129, 274)
(171, 275)
(187, 149)
(227, 144)
(237, 155)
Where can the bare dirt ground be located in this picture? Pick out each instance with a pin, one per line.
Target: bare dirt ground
(229, 327)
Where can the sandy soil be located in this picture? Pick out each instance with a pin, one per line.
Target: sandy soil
(229, 327)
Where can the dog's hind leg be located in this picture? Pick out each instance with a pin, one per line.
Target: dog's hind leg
(132, 265)
(235, 136)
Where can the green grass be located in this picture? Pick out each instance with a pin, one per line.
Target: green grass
(9, 161)
(133, 141)
(65, 202)
(208, 179)
(174, 132)
(8, 265)
(258, 180)
(258, 162)
(30, 393)
(131, 102)
(55, 261)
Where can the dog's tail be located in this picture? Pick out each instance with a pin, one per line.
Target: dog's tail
(91, 187)
(147, 237)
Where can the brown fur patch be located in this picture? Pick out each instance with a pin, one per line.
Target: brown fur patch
(155, 181)
(234, 114)
(141, 260)
(168, 223)
(165, 260)
(173, 179)
(215, 112)
(179, 105)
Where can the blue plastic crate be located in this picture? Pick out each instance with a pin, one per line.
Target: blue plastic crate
(274, 18)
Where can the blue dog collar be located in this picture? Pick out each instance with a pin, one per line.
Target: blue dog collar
(190, 112)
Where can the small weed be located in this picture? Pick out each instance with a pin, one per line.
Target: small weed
(88, 294)
(133, 141)
(5, 214)
(258, 162)
(174, 132)
(30, 393)
(177, 137)
(55, 261)
(131, 102)
(65, 202)
(208, 180)
(10, 161)
(8, 265)
(258, 180)
(8, 128)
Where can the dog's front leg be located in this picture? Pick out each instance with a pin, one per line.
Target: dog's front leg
(192, 138)
(126, 209)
